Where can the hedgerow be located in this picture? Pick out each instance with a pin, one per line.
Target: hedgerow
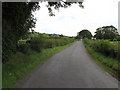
(38, 44)
(107, 52)
(106, 47)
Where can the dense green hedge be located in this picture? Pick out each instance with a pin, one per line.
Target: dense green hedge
(38, 44)
(103, 50)
(106, 47)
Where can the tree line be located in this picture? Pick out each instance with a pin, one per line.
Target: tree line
(105, 32)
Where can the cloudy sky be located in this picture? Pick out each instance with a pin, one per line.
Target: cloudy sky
(69, 21)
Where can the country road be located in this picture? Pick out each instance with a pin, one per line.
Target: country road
(71, 68)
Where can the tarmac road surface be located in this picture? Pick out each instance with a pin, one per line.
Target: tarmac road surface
(71, 68)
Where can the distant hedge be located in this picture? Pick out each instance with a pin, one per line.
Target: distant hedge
(106, 47)
(38, 44)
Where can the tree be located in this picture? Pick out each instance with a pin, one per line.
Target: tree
(62, 4)
(33, 31)
(118, 37)
(16, 22)
(106, 32)
(61, 35)
(18, 19)
(84, 34)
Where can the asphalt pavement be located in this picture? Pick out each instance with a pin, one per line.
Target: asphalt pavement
(71, 68)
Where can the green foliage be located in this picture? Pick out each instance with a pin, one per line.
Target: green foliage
(107, 32)
(24, 48)
(110, 64)
(84, 34)
(22, 42)
(17, 19)
(118, 38)
(38, 43)
(107, 48)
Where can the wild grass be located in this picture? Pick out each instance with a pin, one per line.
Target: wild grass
(105, 47)
(108, 63)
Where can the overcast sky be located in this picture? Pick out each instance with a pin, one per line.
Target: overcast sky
(69, 21)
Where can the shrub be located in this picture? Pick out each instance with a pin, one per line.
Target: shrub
(105, 47)
(37, 43)
(108, 49)
(24, 48)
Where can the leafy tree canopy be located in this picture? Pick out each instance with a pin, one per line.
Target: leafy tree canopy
(84, 34)
(106, 32)
(62, 4)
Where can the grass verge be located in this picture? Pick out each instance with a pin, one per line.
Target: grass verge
(109, 64)
(20, 64)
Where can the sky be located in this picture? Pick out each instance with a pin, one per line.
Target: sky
(69, 21)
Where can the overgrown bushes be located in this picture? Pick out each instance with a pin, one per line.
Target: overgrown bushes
(106, 47)
(103, 50)
(24, 48)
(38, 44)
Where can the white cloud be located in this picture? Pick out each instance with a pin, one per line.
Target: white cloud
(69, 21)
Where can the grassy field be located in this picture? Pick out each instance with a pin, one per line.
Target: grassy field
(20, 64)
(108, 63)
